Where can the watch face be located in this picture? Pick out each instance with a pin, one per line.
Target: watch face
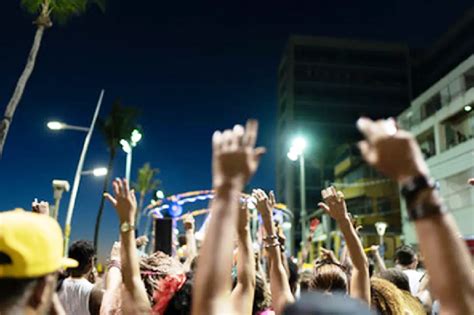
(125, 227)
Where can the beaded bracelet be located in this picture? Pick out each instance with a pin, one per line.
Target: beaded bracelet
(274, 244)
(270, 238)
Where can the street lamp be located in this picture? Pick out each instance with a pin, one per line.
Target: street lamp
(297, 152)
(54, 125)
(97, 172)
(127, 147)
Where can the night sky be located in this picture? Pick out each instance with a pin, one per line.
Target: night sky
(190, 66)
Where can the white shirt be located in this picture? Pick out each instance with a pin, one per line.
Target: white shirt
(414, 278)
(74, 296)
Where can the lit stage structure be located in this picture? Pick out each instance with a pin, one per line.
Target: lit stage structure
(173, 207)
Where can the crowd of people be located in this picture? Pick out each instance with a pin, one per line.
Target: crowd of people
(226, 273)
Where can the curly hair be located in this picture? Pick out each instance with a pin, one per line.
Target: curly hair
(155, 267)
(385, 297)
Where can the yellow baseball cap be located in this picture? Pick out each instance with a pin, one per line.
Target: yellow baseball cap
(31, 245)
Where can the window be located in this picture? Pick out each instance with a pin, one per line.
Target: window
(427, 143)
(459, 128)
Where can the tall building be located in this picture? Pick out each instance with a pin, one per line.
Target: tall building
(442, 119)
(452, 48)
(325, 84)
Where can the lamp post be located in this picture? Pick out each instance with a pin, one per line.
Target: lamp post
(381, 227)
(127, 147)
(59, 187)
(297, 153)
(77, 177)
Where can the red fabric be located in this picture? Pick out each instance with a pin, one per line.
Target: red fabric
(165, 291)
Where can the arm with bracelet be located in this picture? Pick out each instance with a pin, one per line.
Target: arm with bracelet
(396, 154)
(279, 285)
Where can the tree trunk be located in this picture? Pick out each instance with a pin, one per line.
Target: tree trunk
(139, 211)
(102, 200)
(20, 87)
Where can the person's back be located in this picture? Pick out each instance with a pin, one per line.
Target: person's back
(77, 294)
(407, 260)
(74, 295)
(414, 278)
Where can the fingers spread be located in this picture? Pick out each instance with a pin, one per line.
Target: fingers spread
(251, 131)
(324, 206)
(217, 141)
(367, 152)
(238, 136)
(116, 188)
(110, 198)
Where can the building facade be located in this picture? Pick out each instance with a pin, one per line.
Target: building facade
(325, 84)
(442, 119)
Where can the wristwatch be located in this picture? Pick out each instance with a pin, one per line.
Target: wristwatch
(126, 227)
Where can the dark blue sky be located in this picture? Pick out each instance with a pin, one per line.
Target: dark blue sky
(190, 66)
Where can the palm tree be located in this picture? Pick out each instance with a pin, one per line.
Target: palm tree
(118, 125)
(45, 11)
(145, 184)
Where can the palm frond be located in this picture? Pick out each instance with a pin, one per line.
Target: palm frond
(32, 6)
(62, 10)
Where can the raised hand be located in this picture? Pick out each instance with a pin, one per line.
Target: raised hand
(393, 152)
(243, 218)
(327, 254)
(265, 204)
(334, 204)
(188, 222)
(235, 158)
(124, 200)
(41, 207)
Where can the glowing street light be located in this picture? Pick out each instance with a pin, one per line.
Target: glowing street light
(467, 108)
(127, 147)
(97, 172)
(296, 152)
(57, 125)
(160, 194)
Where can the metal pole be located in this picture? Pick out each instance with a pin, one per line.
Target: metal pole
(77, 177)
(302, 199)
(128, 166)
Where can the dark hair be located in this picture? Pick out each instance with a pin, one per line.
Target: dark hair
(305, 280)
(328, 276)
(405, 255)
(13, 289)
(84, 253)
(293, 275)
(182, 300)
(397, 277)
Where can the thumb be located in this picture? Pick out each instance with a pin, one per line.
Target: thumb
(324, 206)
(110, 199)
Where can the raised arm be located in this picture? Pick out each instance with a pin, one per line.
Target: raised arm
(235, 160)
(396, 154)
(279, 285)
(190, 241)
(125, 204)
(335, 206)
(379, 263)
(243, 293)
